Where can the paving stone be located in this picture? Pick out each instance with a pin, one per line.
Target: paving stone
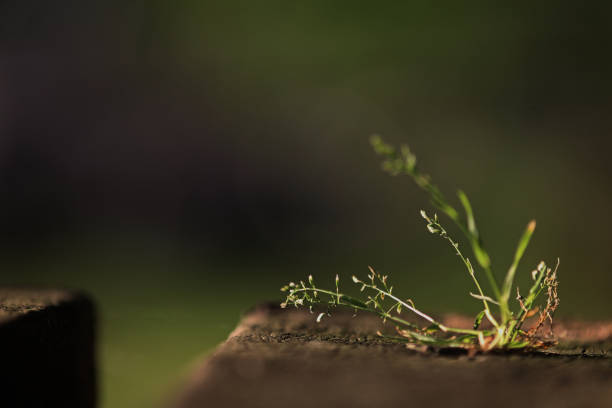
(283, 358)
(47, 349)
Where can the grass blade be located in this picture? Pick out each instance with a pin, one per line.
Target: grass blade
(471, 223)
(479, 318)
(520, 250)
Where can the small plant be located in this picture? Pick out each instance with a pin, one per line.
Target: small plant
(505, 326)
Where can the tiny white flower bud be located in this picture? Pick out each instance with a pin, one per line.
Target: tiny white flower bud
(432, 229)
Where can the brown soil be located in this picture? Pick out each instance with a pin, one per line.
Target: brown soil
(283, 358)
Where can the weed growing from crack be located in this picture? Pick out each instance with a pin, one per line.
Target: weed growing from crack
(505, 328)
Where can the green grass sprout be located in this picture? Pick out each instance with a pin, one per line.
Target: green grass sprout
(504, 328)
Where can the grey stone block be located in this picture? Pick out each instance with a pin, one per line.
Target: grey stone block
(283, 358)
(47, 349)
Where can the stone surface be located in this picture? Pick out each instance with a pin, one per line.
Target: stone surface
(283, 358)
(47, 350)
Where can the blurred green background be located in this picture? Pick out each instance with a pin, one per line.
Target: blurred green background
(180, 161)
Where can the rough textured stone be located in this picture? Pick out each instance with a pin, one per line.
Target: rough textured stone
(282, 358)
(47, 351)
